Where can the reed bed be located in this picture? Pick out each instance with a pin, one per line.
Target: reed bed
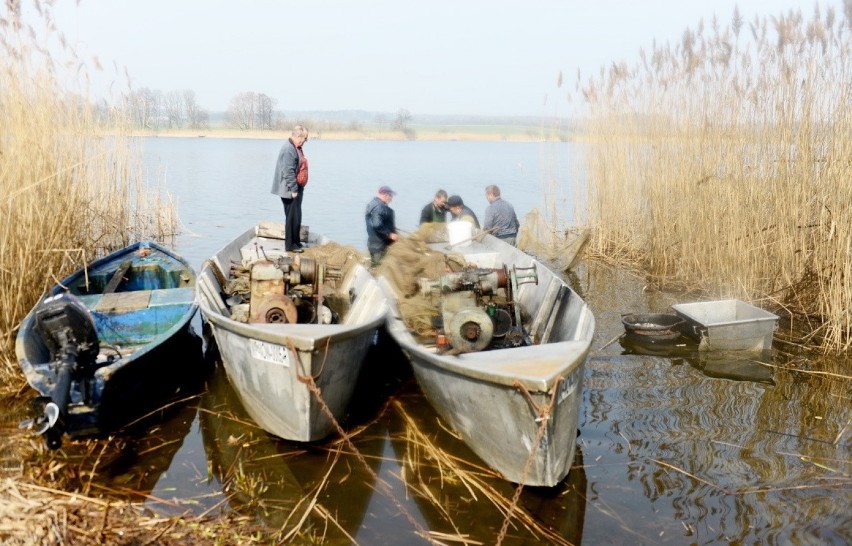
(68, 192)
(722, 164)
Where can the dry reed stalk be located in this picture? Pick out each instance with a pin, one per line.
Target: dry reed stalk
(310, 505)
(69, 193)
(693, 476)
(451, 471)
(723, 162)
(810, 372)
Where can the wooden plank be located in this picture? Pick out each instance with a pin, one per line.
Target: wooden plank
(119, 302)
(117, 277)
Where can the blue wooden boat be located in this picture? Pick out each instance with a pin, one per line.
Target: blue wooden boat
(111, 342)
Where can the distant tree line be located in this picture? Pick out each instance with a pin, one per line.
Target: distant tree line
(248, 111)
(253, 111)
(153, 109)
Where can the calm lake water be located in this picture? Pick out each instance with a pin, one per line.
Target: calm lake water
(674, 447)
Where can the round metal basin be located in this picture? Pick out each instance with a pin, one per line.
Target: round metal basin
(652, 327)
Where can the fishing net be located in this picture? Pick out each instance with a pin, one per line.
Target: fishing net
(407, 261)
(561, 247)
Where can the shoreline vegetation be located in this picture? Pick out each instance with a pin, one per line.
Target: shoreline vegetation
(484, 133)
(720, 164)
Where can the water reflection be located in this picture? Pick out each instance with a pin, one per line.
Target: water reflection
(733, 365)
(403, 468)
(459, 496)
(722, 450)
(297, 489)
(134, 462)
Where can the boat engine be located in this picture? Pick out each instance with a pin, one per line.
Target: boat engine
(68, 331)
(471, 315)
(274, 298)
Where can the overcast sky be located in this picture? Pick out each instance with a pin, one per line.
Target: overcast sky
(432, 57)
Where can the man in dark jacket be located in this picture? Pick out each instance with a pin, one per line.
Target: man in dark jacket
(460, 211)
(381, 227)
(291, 176)
(436, 211)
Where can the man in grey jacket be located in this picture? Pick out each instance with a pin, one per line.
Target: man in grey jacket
(289, 181)
(500, 216)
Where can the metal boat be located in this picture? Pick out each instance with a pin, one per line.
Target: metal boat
(294, 340)
(504, 367)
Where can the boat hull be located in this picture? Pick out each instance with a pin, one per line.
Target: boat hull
(516, 408)
(528, 437)
(295, 380)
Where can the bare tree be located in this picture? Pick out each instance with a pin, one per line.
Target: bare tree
(266, 114)
(143, 106)
(253, 110)
(242, 112)
(173, 109)
(196, 118)
(401, 123)
(381, 121)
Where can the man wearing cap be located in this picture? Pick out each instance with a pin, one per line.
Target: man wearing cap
(500, 216)
(291, 177)
(381, 227)
(459, 211)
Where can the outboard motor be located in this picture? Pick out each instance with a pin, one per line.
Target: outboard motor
(68, 331)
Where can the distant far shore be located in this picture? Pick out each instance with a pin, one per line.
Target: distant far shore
(508, 134)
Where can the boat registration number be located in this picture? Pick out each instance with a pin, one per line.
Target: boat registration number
(269, 352)
(567, 388)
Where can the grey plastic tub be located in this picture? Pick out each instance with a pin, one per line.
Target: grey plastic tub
(727, 325)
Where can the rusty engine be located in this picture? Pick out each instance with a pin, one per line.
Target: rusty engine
(290, 290)
(478, 309)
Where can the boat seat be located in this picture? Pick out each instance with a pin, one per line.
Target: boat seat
(262, 248)
(122, 302)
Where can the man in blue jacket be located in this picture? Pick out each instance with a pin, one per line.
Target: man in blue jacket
(381, 227)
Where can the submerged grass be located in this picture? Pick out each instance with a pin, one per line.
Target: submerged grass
(722, 164)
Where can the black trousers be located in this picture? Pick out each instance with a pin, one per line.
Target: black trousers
(293, 221)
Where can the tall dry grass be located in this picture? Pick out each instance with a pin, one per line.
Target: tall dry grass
(724, 163)
(69, 192)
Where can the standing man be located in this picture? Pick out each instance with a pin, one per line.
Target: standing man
(436, 211)
(460, 211)
(500, 216)
(381, 227)
(291, 177)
